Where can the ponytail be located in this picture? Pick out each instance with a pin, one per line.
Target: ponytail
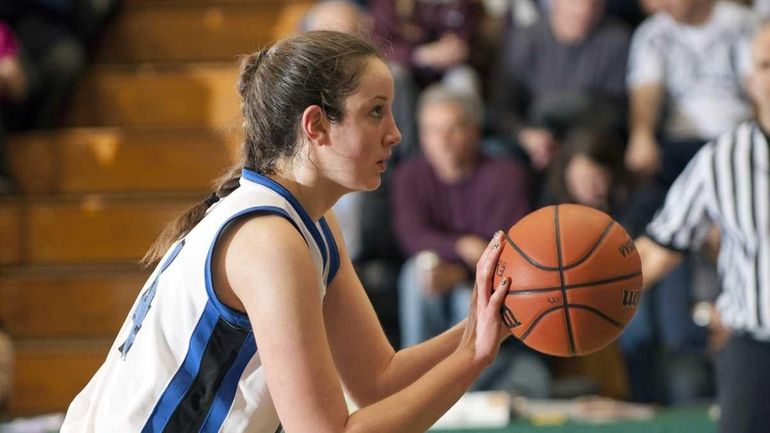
(192, 216)
(276, 85)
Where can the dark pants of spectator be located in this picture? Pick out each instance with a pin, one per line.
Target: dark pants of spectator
(743, 381)
(663, 349)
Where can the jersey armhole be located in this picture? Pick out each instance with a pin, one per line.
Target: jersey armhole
(230, 315)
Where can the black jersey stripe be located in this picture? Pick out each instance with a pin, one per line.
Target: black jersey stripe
(219, 355)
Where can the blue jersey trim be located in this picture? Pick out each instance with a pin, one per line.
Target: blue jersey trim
(226, 393)
(334, 263)
(187, 372)
(234, 317)
(286, 194)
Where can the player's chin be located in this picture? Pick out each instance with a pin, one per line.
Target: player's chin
(372, 183)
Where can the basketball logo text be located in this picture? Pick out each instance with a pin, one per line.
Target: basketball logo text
(508, 318)
(631, 298)
(626, 247)
(554, 300)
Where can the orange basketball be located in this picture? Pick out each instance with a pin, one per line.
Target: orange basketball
(576, 279)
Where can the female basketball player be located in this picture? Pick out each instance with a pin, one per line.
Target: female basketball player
(254, 315)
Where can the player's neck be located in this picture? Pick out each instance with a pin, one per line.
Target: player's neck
(310, 194)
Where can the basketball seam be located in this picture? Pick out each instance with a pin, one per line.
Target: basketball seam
(581, 306)
(528, 258)
(543, 267)
(557, 228)
(537, 320)
(575, 286)
(594, 247)
(598, 312)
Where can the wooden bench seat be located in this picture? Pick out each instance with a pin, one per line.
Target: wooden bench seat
(150, 31)
(192, 96)
(84, 229)
(104, 160)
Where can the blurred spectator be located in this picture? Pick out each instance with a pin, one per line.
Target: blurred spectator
(446, 205)
(426, 41)
(686, 76)
(589, 171)
(6, 367)
(687, 69)
(339, 15)
(13, 88)
(429, 37)
(55, 37)
(569, 65)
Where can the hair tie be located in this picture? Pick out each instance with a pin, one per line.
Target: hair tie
(210, 200)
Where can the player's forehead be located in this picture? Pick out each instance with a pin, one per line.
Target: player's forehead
(375, 83)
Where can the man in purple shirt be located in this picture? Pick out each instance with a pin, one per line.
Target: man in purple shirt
(446, 204)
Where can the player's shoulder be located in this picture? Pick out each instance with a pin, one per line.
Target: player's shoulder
(266, 232)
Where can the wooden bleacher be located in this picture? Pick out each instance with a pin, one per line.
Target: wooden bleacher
(152, 124)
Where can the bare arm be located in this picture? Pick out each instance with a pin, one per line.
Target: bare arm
(657, 261)
(306, 345)
(643, 154)
(387, 371)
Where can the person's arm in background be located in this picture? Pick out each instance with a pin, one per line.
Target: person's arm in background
(657, 260)
(684, 222)
(419, 237)
(643, 153)
(646, 92)
(510, 97)
(453, 47)
(502, 204)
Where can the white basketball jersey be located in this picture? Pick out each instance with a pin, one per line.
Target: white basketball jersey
(183, 361)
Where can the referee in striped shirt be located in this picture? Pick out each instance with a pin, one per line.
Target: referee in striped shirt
(727, 184)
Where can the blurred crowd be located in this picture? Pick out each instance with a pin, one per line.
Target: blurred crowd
(44, 48)
(504, 106)
(507, 106)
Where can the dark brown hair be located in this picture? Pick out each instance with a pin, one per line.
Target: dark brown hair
(600, 144)
(276, 85)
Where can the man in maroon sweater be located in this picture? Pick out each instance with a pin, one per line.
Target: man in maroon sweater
(446, 204)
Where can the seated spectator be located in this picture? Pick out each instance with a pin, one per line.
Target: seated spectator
(427, 41)
(55, 37)
(552, 74)
(445, 205)
(13, 88)
(589, 171)
(687, 69)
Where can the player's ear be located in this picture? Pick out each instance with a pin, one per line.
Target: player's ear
(315, 125)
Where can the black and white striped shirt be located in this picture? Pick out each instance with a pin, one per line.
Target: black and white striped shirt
(727, 183)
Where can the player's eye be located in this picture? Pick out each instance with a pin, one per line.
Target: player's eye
(377, 111)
